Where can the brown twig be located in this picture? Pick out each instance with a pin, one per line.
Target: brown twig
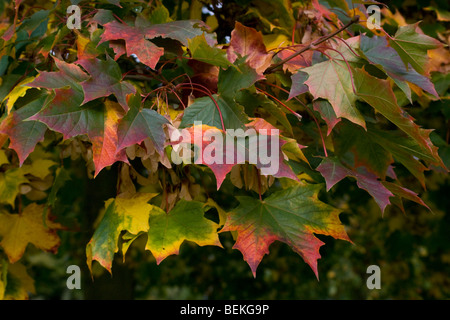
(271, 69)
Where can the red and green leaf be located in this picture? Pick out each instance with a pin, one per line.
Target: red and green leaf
(291, 216)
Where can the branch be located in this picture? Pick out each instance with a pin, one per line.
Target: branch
(271, 69)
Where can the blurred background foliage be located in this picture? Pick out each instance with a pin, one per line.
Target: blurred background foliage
(412, 249)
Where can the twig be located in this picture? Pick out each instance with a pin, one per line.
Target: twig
(271, 69)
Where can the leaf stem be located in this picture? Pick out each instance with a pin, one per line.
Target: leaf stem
(271, 69)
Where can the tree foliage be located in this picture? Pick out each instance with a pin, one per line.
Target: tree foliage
(100, 104)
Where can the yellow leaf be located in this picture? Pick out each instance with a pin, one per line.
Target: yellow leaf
(23, 283)
(18, 230)
(275, 40)
(3, 158)
(16, 93)
(40, 168)
(122, 214)
(10, 182)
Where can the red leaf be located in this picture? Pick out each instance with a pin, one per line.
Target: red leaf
(106, 79)
(23, 135)
(221, 156)
(247, 42)
(136, 38)
(291, 216)
(333, 172)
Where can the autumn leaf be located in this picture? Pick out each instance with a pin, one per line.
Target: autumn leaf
(327, 113)
(19, 284)
(291, 216)
(298, 84)
(139, 124)
(121, 214)
(412, 46)
(247, 42)
(18, 230)
(334, 171)
(220, 151)
(68, 74)
(106, 79)
(202, 51)
(24, 134)
(378, 94)
(186, 221)
(402, 192)
(10, 182)
(99, 121)
(333, 80)
(376, 51)
(136, 38)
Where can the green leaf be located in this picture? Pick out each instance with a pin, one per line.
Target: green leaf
(122, 214)
(232, 80)
(378, 94)
(404, 149)
(204, 109)
(185, 221)
(139, 124)
(366, 150)
(291, 216)
(332, 80)
(413, 47)
(9, 185)
(376, 51)
(202, 51)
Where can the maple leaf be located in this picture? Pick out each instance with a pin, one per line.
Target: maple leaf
(19, 283)
(405, 193)
(404, 149)
(334, 171)
(139, 124)
(364, 148)
(378, 94)
(412, 46)
(186, 221)
(247, 42)
(376, 51)
(332, 80)
(221, 155)
(301, 61)
(18, 230)
(232, 115)
(327, 113)
(291, 216)
(99, 121)
(136, 38)
(121, 214)
(68, 74)
(204, 109)
(202, 51)
(24, 134)
(106, 79)
(298, 84)
(10, 182)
